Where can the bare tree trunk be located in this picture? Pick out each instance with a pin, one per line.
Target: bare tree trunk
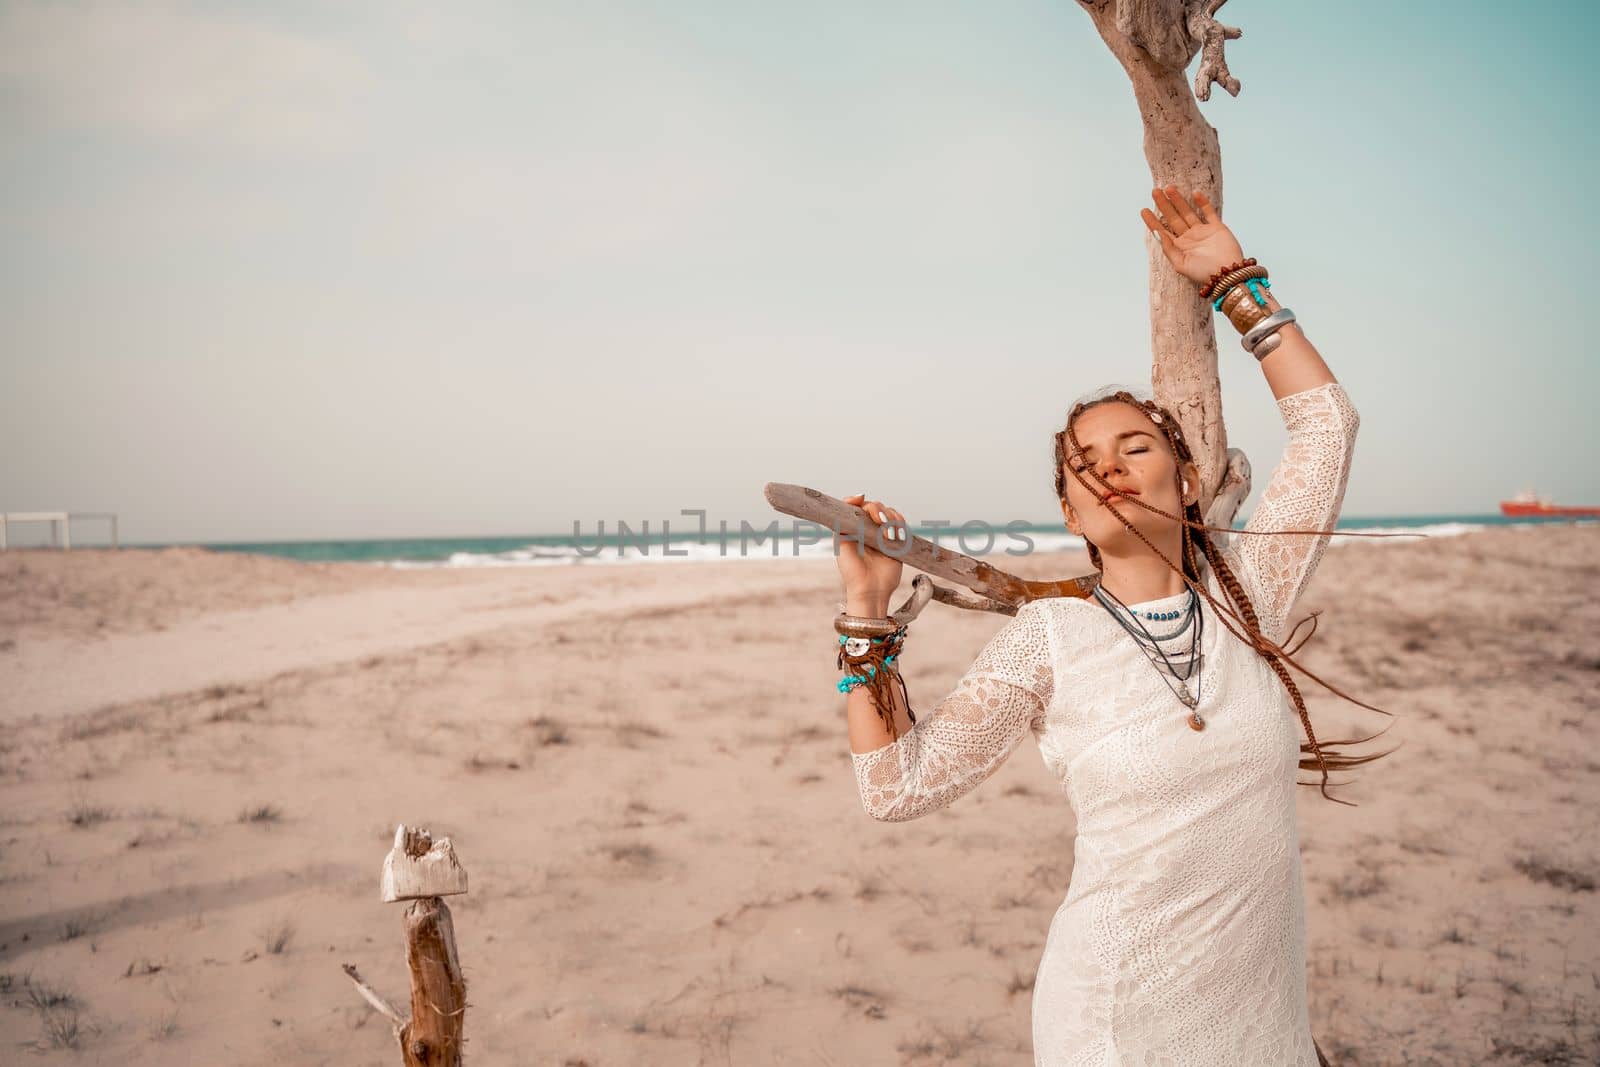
(438, 992)
(1180, 147)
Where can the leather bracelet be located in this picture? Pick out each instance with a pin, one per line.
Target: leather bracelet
(865, 649)
(1267, 326)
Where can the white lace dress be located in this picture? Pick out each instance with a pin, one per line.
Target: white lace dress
(1182, 936)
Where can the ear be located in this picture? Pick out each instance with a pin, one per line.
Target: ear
(1071, 518)
(1189, 472)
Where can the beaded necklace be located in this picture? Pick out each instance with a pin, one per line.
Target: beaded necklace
(1191, 662)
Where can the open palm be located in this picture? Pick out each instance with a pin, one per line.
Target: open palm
(1193, 236)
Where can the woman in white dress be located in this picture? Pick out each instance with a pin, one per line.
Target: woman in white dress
(1162, 703)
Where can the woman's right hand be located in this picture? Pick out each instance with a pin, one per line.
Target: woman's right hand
(870, 576)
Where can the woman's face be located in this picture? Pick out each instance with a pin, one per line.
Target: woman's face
(1132, 454)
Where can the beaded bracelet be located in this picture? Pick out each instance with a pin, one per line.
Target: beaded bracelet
(1211, 285)
(872, 665)
(850, 681)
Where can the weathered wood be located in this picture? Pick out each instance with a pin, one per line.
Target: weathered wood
(921, 594)
(432, 1037)
(418, 867)
(852, 522)
(1160, 27)
(1181, 148)
(438, 992)
(376, 999)
(1235, 487)
(1211, 36)
(960, 598)
(1172, 31)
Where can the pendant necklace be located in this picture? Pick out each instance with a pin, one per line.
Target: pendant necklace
(1188, 665)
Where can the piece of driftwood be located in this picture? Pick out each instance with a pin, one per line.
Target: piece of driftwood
(997, 590)
(420, 870)
(1154, 41)
(375, 998)
(993, 589)
(418, 867)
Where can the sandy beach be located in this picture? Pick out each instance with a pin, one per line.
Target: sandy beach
(644, 769)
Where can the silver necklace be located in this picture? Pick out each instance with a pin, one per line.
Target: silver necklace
(1150, 643)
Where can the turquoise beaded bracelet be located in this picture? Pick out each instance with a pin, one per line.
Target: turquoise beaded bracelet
(850, 681)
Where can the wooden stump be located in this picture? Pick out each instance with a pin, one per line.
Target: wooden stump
(432, 1038)
(421, 870)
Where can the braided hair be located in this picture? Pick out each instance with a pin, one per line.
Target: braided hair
(1316, 755)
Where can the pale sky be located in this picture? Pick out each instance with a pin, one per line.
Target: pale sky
(305, 271)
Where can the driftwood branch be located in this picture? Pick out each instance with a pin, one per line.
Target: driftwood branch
(1005, 592)
(1160, 27)
(1235, 487)
(1181, 148)
(921, 593)
(1171, 32)
(924, 589)
(960, 598)
(374, 998)
(1212, 35)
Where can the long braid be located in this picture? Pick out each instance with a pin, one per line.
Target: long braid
(1195, 531)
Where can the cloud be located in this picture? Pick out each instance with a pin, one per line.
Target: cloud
(169, 72)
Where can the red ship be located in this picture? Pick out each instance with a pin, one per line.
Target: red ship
(1529, 504)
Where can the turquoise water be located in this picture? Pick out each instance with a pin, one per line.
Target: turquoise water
(564, 548)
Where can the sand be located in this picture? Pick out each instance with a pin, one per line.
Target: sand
(644, 769)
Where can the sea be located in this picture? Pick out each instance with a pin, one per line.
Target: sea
(642, 542)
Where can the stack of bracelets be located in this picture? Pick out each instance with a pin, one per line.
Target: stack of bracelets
(870, 649)
(1236, 292)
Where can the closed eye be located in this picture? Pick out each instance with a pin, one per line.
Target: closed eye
(1079, 467)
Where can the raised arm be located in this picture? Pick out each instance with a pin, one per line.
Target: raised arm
(964, 738)
(1307, 488)
(1305, 493)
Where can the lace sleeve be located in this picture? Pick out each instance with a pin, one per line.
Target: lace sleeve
(1305, 493)
(963, 739)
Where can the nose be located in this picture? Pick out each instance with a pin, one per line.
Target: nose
(1109, 467)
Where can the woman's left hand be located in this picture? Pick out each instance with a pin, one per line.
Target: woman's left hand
(1195, 241)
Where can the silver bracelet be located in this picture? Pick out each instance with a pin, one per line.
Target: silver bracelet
(1266, 346)
(1269, 325)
